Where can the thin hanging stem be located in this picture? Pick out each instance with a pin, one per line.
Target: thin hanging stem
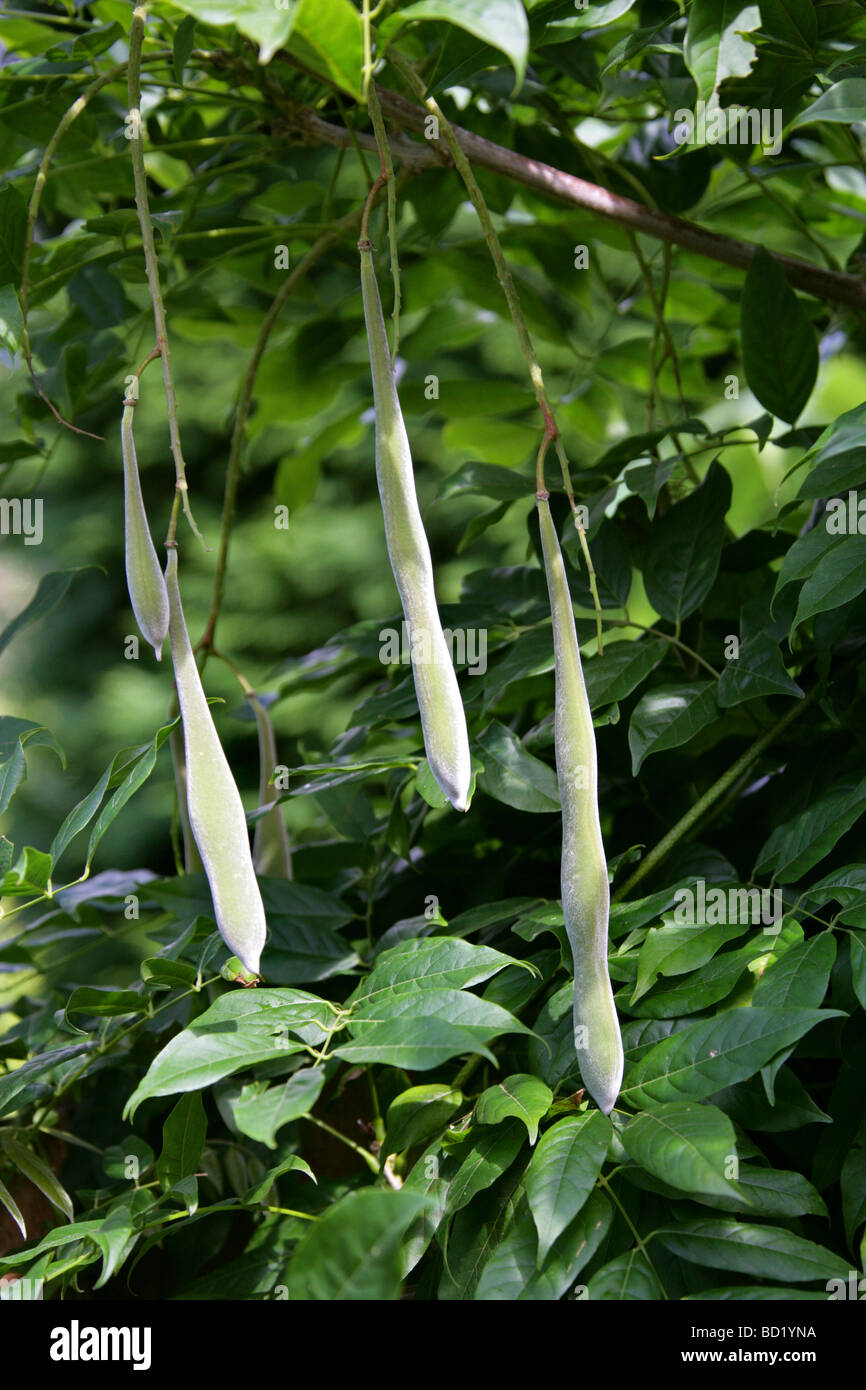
(136, 39)
(506, 280)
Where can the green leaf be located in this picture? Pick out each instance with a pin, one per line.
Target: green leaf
(11, 330)
(8, 1201)
(774, 1193)
(116, 1235)
(479, 524)
(82, 813)
(500, 23)
(858, 966)
(415, 1115)
(352, 1253)
(260, 1110)
(706, 1056)
(668, 717)
(487, 480)
(161, 971)
(766, 1252)
(102, 1002)
(853, 1182)
(685, 546)
(593, 16)
(512, 1273)
(799, 844)
(757, 671)
(30, 874)
(674, 950)
(628, 1278)
(14, 731)
(427, 786)
(49, 591)
(39, 1174)
(12, 774)
(802, 558)
(484, 1160)
(521, 1095)
(414, 1047)
(143, 763)
(183, 1136)
(13, 1083)
(844, 102)
(715, 48)
(621, 669)
(301, 953)
(530, 655)
(184, 42)
(474, 1236)
(689, 1146)
(421, 1029)
(838, 577)
(793, 22)
(837, 460)
(239, 1030)
(757, 1192)
(292, 1164)
(269, 26)
(437, 962)
(328, 37)
(563, 1172)
(304, 904)
(16, 734)
(799, 978)
(512, 775)
(131, 1158)
(780, 354)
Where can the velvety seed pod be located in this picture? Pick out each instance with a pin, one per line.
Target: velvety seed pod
(144, 578)
(443, 721)
(216, 813)
(585, 885)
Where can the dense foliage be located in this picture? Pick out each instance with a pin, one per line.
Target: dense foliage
(397, 1108)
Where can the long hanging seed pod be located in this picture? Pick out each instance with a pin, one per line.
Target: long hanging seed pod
(216, 812)
(144, 577)
(585, 887)
(272, 853)
(443, 722)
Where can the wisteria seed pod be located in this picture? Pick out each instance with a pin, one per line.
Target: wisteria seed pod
(144, 578)
(585, 886)
(272, 853)
(216, 813)
(443, 721)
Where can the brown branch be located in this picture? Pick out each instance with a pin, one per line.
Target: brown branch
(410, 154)
(827, 285)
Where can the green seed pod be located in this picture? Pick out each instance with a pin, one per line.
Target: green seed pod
(443, 722)
(585, 887)
(216, 812)
(272, 853)
(144, 577)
